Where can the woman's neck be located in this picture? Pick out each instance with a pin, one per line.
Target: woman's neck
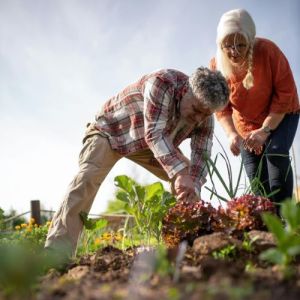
(240, 67)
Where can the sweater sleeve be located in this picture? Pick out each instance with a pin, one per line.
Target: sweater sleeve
(284, 96)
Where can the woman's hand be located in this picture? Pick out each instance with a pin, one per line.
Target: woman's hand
(256, 140)
(235, 142)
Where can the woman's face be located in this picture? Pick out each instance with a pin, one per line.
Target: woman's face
(236, 48)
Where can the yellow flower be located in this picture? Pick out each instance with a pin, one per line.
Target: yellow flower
(29, 229)
(106, 235)
(48, 224)
(18, 227)
(31, 221)
(23, 225)
(97, 241)
(118, 236)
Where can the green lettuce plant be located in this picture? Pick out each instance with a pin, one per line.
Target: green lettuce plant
(147, 204)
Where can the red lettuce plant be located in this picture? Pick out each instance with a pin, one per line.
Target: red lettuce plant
(246, 211)
(186, 221)
(221, 221)
(243, 213)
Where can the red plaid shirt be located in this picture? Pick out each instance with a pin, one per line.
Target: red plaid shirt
(145, 114)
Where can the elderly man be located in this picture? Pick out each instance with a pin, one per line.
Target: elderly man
(145, 122)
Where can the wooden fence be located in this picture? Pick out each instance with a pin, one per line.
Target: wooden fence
(114, 220)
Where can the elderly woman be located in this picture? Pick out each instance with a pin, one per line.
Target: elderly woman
(262, 116)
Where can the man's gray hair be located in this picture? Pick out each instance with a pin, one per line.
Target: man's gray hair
(209, 86)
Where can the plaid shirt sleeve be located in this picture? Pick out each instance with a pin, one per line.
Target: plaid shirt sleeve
(201, 144)
(158, 97)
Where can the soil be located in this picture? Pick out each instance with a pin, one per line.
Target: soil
(114, 274)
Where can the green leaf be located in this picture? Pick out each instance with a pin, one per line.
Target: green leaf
(275, 226)
(125, 183)
(239, 178)
(217, 195)
(272, 255)
(153, 190)
(290, 241)
(272, 193)
(140, 191)
(129, 209)
(294, 251)
(91, 224)
(122, 196)
(291, 213)
(219, 175)
(101, 223)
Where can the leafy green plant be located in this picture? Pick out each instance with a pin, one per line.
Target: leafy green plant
(287, 236)
(92, 229)
(147, 204)
(247, 243)
(225, 253)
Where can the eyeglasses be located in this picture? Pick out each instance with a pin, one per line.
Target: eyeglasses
(235, 47)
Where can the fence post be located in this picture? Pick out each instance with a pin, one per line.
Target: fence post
(36, 211)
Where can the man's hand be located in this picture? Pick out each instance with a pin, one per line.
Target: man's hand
(184, 186)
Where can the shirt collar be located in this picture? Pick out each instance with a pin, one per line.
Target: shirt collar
(180, 92)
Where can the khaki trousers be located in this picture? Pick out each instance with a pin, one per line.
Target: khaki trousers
(96, 159)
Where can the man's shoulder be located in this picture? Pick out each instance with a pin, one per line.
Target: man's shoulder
(167, 75)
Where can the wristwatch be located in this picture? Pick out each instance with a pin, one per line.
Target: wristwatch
(267, 129)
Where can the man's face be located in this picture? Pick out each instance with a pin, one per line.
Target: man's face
(192, 110)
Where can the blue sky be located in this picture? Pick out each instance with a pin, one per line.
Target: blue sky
(60, 60)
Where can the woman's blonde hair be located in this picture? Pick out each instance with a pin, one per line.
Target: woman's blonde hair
(233, 22)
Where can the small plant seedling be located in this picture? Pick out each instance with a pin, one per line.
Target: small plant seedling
(225, 253)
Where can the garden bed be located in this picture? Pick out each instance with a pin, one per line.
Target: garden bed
(216, 266)
(170, 250)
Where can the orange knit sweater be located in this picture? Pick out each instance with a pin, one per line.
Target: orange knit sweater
(274, 89)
